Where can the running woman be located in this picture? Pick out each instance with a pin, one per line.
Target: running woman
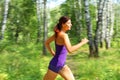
(63, 46)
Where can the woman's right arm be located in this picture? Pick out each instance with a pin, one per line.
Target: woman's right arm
(47, 44)
(71, 48)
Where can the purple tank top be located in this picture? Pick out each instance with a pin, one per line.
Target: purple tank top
(60, 57)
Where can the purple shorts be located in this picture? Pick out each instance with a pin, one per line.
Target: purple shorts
(55, 69)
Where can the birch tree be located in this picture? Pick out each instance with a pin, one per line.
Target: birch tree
(98, 26)
(89, 27)
(117, 21)
(102, 35)
(39, 17)
(78, 16)
(6, 7)
(110, 22)
(44, 27)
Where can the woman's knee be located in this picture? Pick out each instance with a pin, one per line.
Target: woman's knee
(50, 75)
(45, 77)
(66, 73)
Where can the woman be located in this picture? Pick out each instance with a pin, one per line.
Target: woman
(62, 43)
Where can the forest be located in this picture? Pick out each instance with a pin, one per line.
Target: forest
(26, 24)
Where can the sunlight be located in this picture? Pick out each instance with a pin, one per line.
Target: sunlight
(54, 3)
(3, 76)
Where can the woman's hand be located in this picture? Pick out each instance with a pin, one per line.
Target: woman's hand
(84, 41)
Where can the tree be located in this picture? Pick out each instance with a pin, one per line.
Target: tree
(78, 17)
(89, 27)
(98, 26)
(117, 21)
(39, 17)
(6, 7)
(44, 27)
(110, 22)
(22, 21)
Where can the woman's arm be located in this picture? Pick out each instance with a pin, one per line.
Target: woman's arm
(71, 48)
(47, 44)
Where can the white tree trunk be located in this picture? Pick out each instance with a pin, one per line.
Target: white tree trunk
(45, 27)
(117, 21)
(39, 15)
(6, 7)
(99, 25)
(89, 27)
(110, 22)
(78, 17)
(103, 29)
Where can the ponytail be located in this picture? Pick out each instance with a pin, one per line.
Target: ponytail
(58, 27)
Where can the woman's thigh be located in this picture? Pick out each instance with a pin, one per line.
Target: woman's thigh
(50, 75)
(66, 73)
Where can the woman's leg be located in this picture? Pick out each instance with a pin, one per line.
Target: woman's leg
(50, 75)
(66, 73)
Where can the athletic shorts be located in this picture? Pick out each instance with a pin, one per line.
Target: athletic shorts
(55, 69)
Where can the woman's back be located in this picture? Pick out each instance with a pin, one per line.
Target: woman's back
(59, 38)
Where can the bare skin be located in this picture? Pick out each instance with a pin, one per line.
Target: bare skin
(62, 39)
(65, 72)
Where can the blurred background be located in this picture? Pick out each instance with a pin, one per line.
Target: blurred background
(26, 24)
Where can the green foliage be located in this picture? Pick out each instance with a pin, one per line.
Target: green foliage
(55, 15)
(20, 62)
(26, 62)
(22, 20)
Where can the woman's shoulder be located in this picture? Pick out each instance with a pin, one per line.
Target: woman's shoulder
(63, 35)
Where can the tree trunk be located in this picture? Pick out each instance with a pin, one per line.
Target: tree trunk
(89, 28)
(17, 34)
(45, 28)
(39, 9)
(109, 26)
(117, 21)
(6, 7)
(78, 17)
(98, 26)
(111, 23)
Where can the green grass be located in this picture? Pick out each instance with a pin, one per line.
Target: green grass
(106, 67)
(26, 62)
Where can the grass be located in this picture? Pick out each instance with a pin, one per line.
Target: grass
(106, 67)
(26, 62)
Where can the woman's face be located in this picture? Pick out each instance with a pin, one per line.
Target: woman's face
(67, 25)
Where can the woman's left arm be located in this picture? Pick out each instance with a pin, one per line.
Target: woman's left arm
(47, 44)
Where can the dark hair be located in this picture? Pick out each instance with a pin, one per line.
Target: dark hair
(62, 20)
